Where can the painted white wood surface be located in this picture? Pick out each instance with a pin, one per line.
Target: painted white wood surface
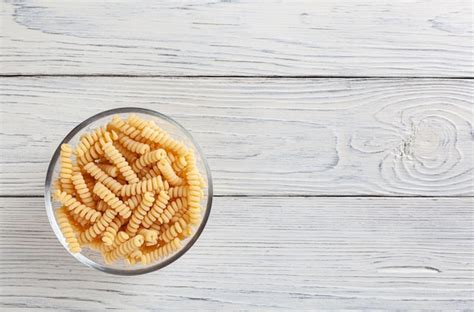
(266, 136)
(271, 143)
(263, 254)
(325, 37)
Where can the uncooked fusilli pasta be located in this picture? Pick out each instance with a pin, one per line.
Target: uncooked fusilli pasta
(113, 201)
(65, 173)
(139, 213)
(158, 207)
(115, 192)
(66, 228)
(149, 185)
(76, 207)
(117, 159)
(132, 145)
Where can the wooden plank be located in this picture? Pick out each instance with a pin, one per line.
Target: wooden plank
(266, 136)
(349, 38)
(296, 253)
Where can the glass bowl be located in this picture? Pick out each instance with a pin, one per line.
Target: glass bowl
(93, 258)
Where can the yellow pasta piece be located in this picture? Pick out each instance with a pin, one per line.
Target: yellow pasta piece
(98, 245)
(117, 159)
(75, 207)
(194, 204)
(139, 214)
(82, 190)
(138, 123)
(103, 177)
(174, 230)
(178, 191)
(161, 252)
(101, 206)
(132, 145)
(134, 256)
(108, 237)
(87, 140)
(119, 124)
(121, 238)
(113, 201)
(129, 156)
(168, 173)
(148, 158)
(150, 236)
(149, 185)
(67, 230)
(111, 170)
(178, 163)
(124, 249)
(133, 201)
(164, 140)
(95, 151)
(172, 209)
(188, 231)
(65, 173)
(99, 227)
(153, 172)
(155, 212)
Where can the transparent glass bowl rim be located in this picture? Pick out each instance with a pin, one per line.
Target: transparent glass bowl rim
(50, 209)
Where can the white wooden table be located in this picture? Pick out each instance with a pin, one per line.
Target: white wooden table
(339, 135)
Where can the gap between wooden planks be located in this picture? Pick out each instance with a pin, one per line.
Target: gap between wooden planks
(292, 137)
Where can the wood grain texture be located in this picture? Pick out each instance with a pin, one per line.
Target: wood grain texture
(342, 38)
(266, 136)
(296, 253)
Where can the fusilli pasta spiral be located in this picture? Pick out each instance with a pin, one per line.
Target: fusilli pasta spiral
(161, 252)
(124, 249)
(135, 121)
(65, 173)
(99, 227)
(178, 191)
(117, 159)
(67, 230)
(130, 157)
(173, 231)
(108, 237)
(101, 205)
(82, 190)
(194, 204)
(148, 158)
(75, 207)
(111, 170)
(133, 201)
(164, 140)
(133, 146)
(178, 163)
(172, 208)
(158, 207)
(169, 174)
(95, 151)
(103, 177)
(119, 124)
(149, 185)
(134, 256)
(113, 201)
(150, 236)
(139, 214)
(89, 139)
(153, 172)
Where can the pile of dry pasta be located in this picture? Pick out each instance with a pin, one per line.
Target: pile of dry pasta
(129, 191)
